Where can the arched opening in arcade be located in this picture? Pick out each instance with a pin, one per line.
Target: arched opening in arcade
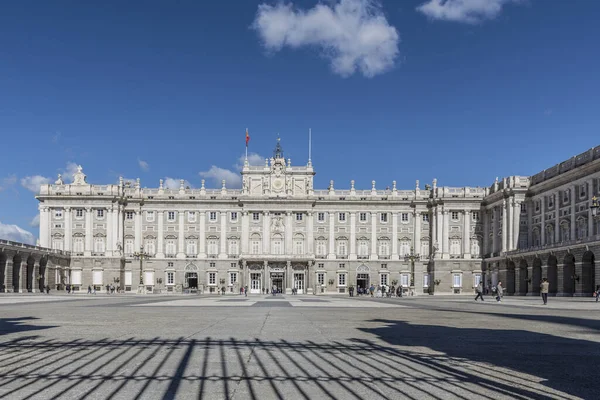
(191, 277)
(569, 276)
(536, 279)
(523, 277)
(510, 278)
(16, 273)
(588, 273)
(552, 274)
(3, 260)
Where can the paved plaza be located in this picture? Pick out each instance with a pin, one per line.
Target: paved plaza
(296, 347)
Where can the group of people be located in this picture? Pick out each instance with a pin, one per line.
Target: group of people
(377, 291)
(544, 289)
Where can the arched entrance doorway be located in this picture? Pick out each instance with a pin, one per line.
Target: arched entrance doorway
(362, 278)
(587, 273)
(3, 260)
(552, 274)
(16, 273)
(536, 279)
(569, 275)
(510, 278)
(523, 277)
(191, 277)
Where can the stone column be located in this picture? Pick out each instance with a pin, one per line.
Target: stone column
(88, 231)
(486, 232)
(590, 223)
(573, 212)
(374, 236)
(432, 228)
(160, 247)
(467, 234)
(352, 255)
(245, 232)
(121, 227)
(560, 282)
(331, 216)
(115, 227)
(530, 208)
(310, 245)
(290, 277)
(494, 229)
(109, 232)
(504, 213)
(181, 234)
(266, 232)
(223, 236)
(439, 220)
(510, 220)
(417, 236)
(395, 235)
(35, 282)
(289, 232)
(556, 223)
(44, 226)
(202, 239)
(68, 231)
(579, 283)
(138, 230)
(516, 223)
(445, 231)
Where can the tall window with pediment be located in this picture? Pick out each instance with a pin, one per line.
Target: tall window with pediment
(298, 244)
(213, 247)
(565, 231)
(384, 247)
(191, 247)
(475, 247)
(535, 235)
(549, 234)
(363, 247)
(342, 247)
(170, 247)
(99, 245)
(455, 246)
(255, 244)
(233, 247)
(582, 228)
(277, 244)
(404, 247)
(150, 246)
(129, 246)
(424, 247)
(57, 243)
(321, 247)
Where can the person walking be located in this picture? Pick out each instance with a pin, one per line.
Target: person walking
(499, 292)
(479, 291)
(544, 290)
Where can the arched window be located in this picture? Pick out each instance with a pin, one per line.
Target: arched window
(342, 247)
(213, 246)
(255, 243)
(298, 244)
(191, 247)
(404, 247)
(99, 245)
(277, 246)
(363, 247)
(233, 246)
(455, 247)
(170, 247)
(424, 247)
(582, 228)
(78, 242)
(150, 246)
(565, 231)
(384, 247)
(475, 247)
(536, 237)
(321, 247)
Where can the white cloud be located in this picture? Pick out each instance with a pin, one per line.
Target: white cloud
(34, 182)
(7, 182)
(216, 175)
(353, 34)
(254, 159)
(144, 166)
(15, 233)
(69, 171)
(35, 221)
(172, 183)
(467, 11)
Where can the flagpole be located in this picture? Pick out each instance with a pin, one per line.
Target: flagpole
(246, 145)
(309, 145)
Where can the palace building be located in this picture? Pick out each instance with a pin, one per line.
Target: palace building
(278, 231)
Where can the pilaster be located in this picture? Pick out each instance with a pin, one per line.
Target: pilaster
(223, 235)
(289, 232)
(138, 230)
(331, 216)
(245, 232)
(510, 220)
(202, 231)
(266, 232)
(466, 234)
(310, 220)
(160, 248)
(445, 230)
(416, 237)
(374, 236)
(68, 229)
(439, 219)
(44, 226)
(494, 229)
(504, 226)
(574, 197)
(352, 255)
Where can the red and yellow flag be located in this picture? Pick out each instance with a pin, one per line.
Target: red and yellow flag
(247, 137)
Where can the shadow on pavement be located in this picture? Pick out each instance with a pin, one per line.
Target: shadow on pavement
(20, 324)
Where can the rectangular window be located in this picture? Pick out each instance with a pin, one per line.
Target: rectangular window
(425, 217)
(79, 213)
(404, 217)
(383, 279)
(170, 278)
(58, 214)
(457, 280)
(171, 216)
(212, 278)
(212, 216)
(129, 215)
(321, 217)
(150, 216)
(234, 216)
(298, 216)
(256, 247)
(476, 280)
(212, 265)
(342, 266)
(170, 264)
(191, 216)
(232, 278)
(362, 217)
(99, 214)
(255, 216)
(383, 266)
(341, 279)
(425, 280)
(404, 281)
(58, 226)
(383, 217)
(321, 278)
(454, 215)
(475, 216)
(342, 217)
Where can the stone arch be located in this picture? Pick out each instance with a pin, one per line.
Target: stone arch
(16, 272)
(511, 284)
(363, 268)
(523, 276)
(3, 261)
(588, 275)
(552, 274)
(30, 273)
(191, 267)
(569, 274)
(536, 275)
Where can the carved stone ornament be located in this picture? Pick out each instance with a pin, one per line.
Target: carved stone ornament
(277, 225)
(59, 181)
(79, 177)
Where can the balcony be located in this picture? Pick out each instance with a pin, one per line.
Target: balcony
(233, 255)
(170, 255)
(99, 254)
(387, 257)
(362, 257)
(191, 255)
(212, 255)
(342, 257)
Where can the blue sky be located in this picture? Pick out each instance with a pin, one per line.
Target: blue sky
(462, 91)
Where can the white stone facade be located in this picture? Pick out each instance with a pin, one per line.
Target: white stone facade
(277, 230)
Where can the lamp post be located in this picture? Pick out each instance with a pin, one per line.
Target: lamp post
(412, 257)
(141, 255)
